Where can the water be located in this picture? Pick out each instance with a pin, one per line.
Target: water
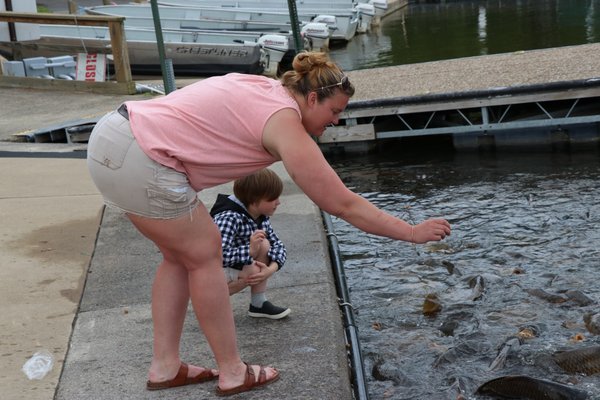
(431, 31)
(520, 223)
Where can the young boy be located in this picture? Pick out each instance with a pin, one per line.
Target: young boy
(252, 252)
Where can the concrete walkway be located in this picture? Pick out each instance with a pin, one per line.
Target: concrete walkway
(112, 337)
(51, 213)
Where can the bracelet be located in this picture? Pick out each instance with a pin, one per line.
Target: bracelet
(412, 234)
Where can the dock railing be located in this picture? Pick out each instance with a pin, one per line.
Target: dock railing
(124, 83)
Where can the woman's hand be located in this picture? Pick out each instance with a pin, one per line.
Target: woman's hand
(430, 230)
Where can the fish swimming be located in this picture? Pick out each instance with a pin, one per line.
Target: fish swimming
(526, 387)
(431, 304)
(478, 285)
(585, 360)
(511, 345)
(550, 297)
(592, 323)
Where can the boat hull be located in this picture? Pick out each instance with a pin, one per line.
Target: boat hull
(188, 57)
(347, 18)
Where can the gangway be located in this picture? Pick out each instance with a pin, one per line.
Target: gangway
(532, 116)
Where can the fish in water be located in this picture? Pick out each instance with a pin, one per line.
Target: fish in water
(478, 285)
(526, 387)
(512, 344)
(431, 305)
(550, 297)
(509, 346)
(585, 360)
(579, 297)
(592, 323)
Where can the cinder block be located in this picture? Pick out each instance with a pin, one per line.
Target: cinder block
(62, 66)
(36, 66)
(13, 68)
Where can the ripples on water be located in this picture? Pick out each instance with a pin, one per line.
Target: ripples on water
(519, 222)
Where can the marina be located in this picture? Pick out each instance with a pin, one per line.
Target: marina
(273, 27)
(545, 98)
(522, 223)
(342, 23)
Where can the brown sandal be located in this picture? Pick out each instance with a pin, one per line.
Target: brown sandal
(250, 382)
(181, 379)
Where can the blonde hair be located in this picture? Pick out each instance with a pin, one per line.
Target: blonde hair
(315, 72)
(261, 185)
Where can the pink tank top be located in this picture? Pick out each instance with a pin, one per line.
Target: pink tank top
(211, 130)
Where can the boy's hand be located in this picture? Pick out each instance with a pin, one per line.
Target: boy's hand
(265, 272)
(255, 242)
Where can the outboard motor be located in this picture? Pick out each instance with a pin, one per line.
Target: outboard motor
(330, 20)
(275, 46)
(316, 36)
(366, 12)
(381, 7)
(365, 9)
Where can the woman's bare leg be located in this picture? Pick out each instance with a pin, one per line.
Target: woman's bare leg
(170, 297)
(192, 265)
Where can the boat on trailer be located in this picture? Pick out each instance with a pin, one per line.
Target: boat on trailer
(193, 53)
(316, 34)
(346, 15)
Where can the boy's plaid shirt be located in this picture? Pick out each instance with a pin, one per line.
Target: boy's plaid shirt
(236, 229)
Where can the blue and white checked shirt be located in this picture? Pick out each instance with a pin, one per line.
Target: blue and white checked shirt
(236, 227)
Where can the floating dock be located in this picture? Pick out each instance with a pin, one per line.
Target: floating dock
(536, 99)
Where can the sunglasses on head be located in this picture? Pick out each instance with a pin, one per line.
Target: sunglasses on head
(343, 83)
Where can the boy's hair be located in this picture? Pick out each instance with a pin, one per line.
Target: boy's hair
(262, 185)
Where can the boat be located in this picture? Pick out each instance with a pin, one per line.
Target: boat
(381, 6)
(317, 34)
(346, 15)
(366, 13)
(192, 53)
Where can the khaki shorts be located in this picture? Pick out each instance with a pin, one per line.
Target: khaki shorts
(129, 180)
(231, 274)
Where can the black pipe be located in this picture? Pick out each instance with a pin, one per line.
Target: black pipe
(12, 32)
(356, 360)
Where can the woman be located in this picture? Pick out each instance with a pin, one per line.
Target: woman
(150, 158)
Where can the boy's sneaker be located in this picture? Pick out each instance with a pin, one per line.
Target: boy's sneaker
(268, 310)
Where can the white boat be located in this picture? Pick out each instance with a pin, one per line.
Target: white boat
(366, 13)
(317, 35)
(192, 53)
(300, 4)
(381, 6)
(346, 15)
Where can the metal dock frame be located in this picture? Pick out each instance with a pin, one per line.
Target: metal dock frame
(541, 114)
